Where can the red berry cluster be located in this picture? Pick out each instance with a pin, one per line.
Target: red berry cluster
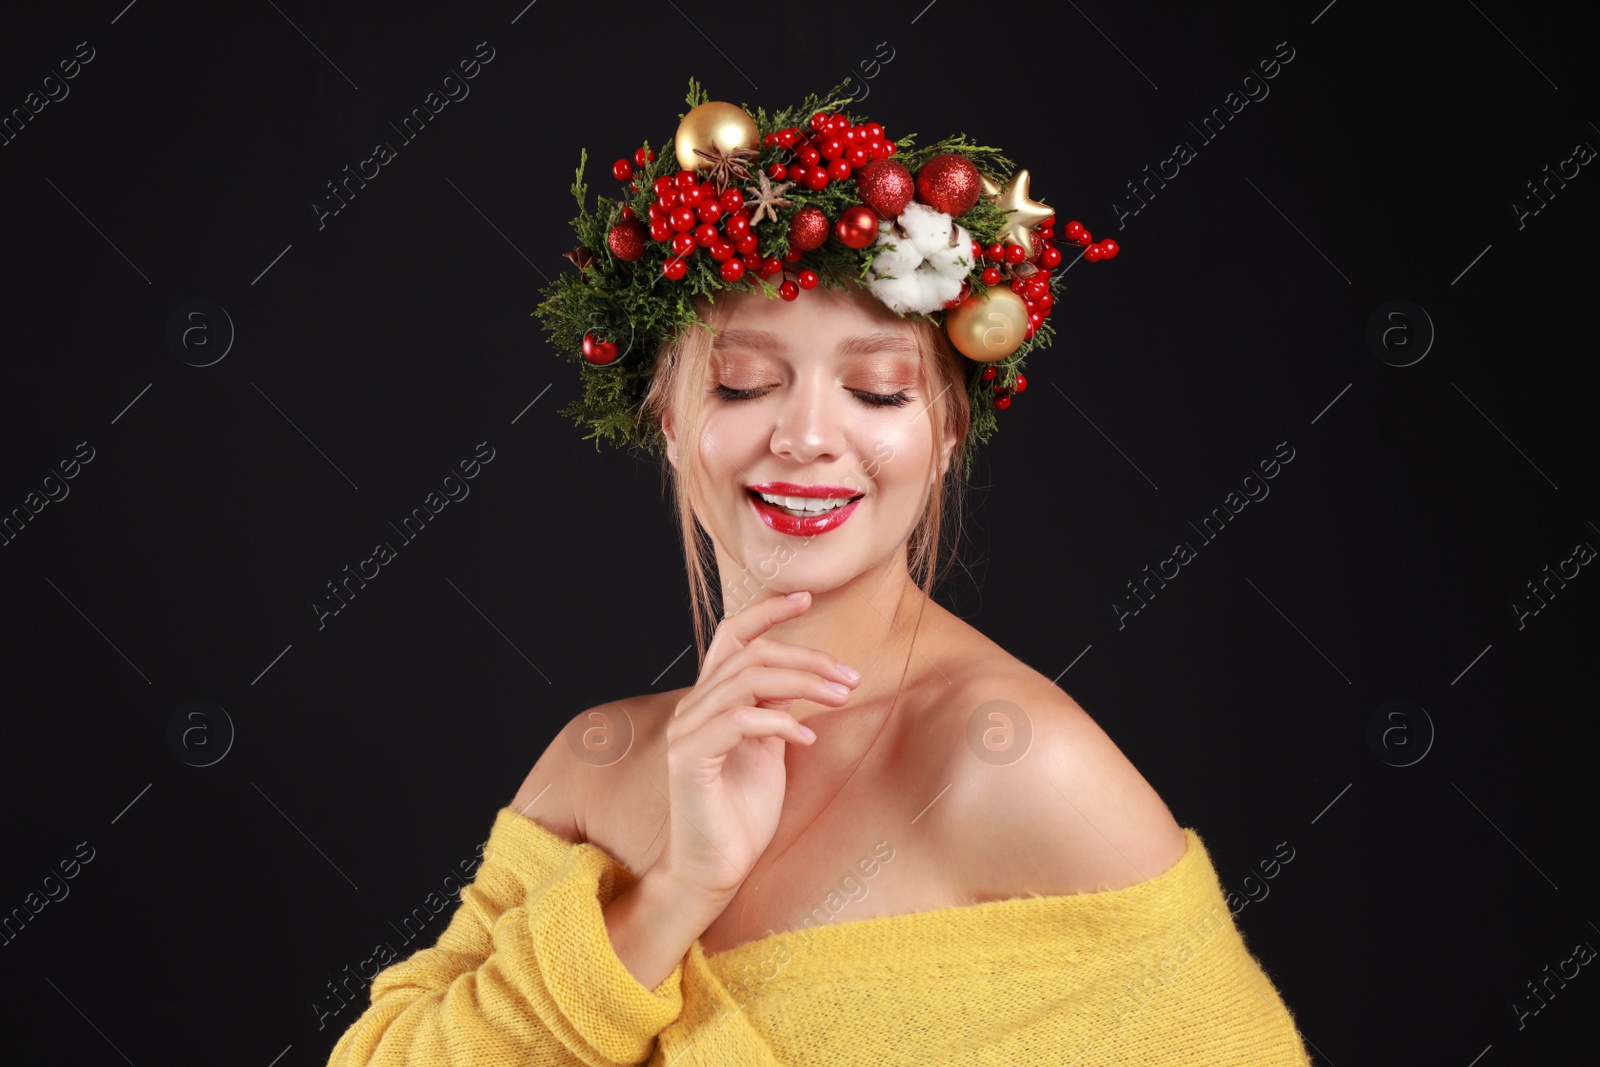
(830, 152)
(1093, 250)
(1002, 395)
(690, 214)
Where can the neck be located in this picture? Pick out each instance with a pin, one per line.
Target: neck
(868, 623)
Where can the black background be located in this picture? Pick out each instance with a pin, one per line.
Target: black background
(373, 354)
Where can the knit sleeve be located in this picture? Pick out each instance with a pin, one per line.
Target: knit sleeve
(525, 972)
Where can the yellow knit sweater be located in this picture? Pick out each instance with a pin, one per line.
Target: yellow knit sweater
(1155, 974)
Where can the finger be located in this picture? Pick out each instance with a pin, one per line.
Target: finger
(768, 652)
(723, 733)
(739, 629)
(754, 684)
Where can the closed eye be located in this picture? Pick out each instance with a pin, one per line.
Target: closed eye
(896, 399)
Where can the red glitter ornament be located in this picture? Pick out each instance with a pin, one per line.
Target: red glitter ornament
(627, 240)
(808, 229)
(949, 183)
(886, 186)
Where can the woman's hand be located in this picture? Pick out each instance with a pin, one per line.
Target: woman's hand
(725, 746)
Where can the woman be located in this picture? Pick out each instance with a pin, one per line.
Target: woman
(866, 833)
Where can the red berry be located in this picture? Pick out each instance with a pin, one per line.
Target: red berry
(705, 235)
(889, 148)
(683, 219)
(660, 229)
(747, 244)
(627, 212)
(1109, 249)
(732, 200)
(858, 156)
(819, 120)
(877, 150)
(682, 244)
(622, 170)
(657, 211)
(1050, 257)
(769, 140)
(1015, 253)
(1084, 238)
(995, 252)
(991, 276)
(689, 196)
(832, 148)
(1045, 301)
(686, 179)
(809, 155)
(816, 179)
(874, 132)
(644, 156)
(1027, 334)
(732, 270)
(793, 255)
(1017, 285)
(736, 226)
(777, 172)
(1092, 253)
(788, 290)
(1022, 384)
(669, 199)
(808, 279)
(1002, 401)
(721, 251)
(708, 210)
(786, 138)
(988, 374)
(663, 185)
(839, 170)
(675, 268)
(797, 173)
(1073, 229)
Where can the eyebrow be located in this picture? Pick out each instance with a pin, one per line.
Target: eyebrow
(860, 344)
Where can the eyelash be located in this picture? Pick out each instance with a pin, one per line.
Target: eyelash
(899, 399)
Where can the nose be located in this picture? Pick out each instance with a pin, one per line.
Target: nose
(810, 423)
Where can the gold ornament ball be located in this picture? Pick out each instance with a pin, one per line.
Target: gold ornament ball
(716, 122)
(988, 329)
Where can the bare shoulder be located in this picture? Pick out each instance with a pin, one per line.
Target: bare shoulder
(1041, 800)
(579, 771)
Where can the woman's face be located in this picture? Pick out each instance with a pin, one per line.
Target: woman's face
(819, 402)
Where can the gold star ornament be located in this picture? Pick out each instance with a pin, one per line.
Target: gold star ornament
(1024, 214)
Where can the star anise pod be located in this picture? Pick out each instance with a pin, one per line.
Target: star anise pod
(581, 257)
(726, 166)
(764, 196)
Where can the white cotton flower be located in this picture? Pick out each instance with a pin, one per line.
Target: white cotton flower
(920, 260)
(894, 256)
(928, 229)
(922, 290)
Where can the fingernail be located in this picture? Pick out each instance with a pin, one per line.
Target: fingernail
(796, 595)
(849, 672)
(838, 687)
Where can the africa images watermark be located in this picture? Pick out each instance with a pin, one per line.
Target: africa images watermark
(410, 528)
(1253, 89)
(455, 90)
(1254, 489)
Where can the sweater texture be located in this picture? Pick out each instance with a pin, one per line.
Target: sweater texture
(1155, 974)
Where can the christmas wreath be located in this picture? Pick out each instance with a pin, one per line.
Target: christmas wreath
(812, 195)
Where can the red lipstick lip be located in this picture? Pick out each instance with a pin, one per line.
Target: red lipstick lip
(791, 489)
(784, 523)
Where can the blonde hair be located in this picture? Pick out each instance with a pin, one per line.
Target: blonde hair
(678, 384)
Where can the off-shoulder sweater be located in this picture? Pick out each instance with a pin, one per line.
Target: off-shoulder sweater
(1153, 974)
